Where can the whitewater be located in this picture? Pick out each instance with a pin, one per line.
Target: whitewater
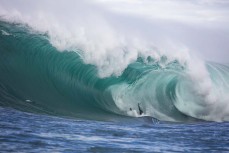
(93, 63)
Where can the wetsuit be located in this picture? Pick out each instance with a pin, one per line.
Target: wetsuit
(140, 110)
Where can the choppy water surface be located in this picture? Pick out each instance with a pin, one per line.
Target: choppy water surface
(25, 132)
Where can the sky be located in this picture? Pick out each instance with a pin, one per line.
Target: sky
(199, 26)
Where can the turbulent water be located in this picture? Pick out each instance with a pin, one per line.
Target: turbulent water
(114, 76)
(36, 77)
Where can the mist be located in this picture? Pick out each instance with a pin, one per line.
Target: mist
(113, 34)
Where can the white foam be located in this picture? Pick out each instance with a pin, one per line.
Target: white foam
(5, 33)
(106, 38)
(202, 98)
(28, 100)
(112, 36)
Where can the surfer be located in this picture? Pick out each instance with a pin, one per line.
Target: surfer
(140, 110)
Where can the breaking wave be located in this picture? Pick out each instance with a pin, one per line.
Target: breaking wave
(37, 77)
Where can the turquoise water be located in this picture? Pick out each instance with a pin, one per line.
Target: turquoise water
(55, 101)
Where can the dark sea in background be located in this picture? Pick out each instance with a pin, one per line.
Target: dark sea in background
(52, 101)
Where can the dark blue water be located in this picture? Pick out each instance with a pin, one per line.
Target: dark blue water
(26, 132)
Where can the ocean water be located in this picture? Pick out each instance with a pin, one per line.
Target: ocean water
(26, 132)
(71, 100)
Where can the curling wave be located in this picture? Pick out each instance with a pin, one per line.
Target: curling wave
(36, 77)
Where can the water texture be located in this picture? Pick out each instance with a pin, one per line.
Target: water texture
(56, 101)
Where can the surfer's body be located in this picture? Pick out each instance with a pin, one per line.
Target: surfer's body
(140, 110)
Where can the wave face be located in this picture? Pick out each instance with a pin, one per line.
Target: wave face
(36, 77)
